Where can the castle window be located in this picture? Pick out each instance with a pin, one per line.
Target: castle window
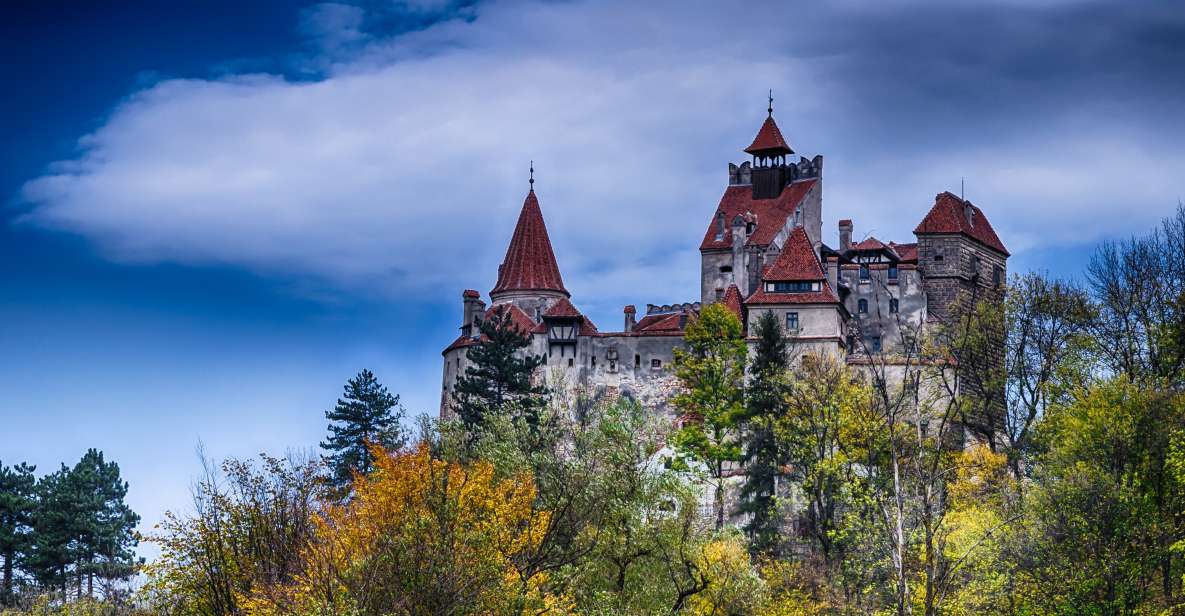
(792, 321)
(864, 275)
(719, 293)
(719, 226)
(656, 363)
(893, 273)
(593, 360)
(724, 269)
(637, 361)
(874, 344)
(612, 366)
(862, 306)
(571, 361)
(791, 287)
(997, 275)
(893, 305)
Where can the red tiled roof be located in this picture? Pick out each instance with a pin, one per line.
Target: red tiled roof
(869, 244)
(825, 296)
(771, 214)
(732, 300)
(562, 308)
(530, 263)
(947, 216)
(907, 252)
(518, 318)
(769, 140)
(797, 262)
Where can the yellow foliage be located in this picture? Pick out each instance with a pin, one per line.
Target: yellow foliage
(420, 536)
(733, 585)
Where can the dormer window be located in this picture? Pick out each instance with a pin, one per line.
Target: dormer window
(791, 287)
(719, 226)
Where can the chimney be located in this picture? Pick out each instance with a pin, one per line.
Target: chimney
(845, 235)
(473, 309)
(629, 318)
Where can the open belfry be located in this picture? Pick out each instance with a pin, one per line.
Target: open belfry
(762, 251)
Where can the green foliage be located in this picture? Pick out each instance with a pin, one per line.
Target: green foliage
(366, 415)
(17, 503)
(501, 378)
(763, 454)
(711, 371)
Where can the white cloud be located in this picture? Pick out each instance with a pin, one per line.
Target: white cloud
(406, 163)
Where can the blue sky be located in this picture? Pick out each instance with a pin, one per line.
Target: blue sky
(214, 215)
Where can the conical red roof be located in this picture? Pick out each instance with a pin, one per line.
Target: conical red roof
(530, 263)
(797, 262)
(769, 140)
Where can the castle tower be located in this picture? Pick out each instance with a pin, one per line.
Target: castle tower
(529, 276)
(766, 199)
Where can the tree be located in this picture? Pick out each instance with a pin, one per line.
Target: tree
(17, 504)
(250, 522)
(501, 377)
(763, 456)
(420, 536)
(366, 415)
(105, 524)
(711, 371)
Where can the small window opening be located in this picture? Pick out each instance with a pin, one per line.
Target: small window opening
(637, 361)
(656, 363)
(792, 321)
(874, 344)
(571, 361)
(893, 305)
(724, 269)
(719, 293)
(862, 306)
(864, 274)
(893, 272)
(997, 275)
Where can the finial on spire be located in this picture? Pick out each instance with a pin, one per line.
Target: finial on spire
(532, 180)
(771, 103)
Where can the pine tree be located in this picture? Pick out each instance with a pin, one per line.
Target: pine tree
(366, 415)
(17, 503)
(54, 538)
(105, 524)
(763, 456)
(500, 379)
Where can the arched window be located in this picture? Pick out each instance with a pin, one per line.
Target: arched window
(862, 306)
(893, 305)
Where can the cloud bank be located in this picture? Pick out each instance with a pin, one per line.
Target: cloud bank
(402, 164)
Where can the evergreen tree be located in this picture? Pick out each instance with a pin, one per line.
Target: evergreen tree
(105, 524)
(500, 379)
(54, 538)
(763, 457)
(17, 502)
(367, 415)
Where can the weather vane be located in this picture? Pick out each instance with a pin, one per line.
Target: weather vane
(771, 103)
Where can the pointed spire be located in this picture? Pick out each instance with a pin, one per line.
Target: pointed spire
(530, 264)
(769, 141)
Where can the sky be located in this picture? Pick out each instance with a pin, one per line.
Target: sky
(213, 214)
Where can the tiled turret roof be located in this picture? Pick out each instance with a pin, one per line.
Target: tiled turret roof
(530, 264)
(769, 140)
(950, 216)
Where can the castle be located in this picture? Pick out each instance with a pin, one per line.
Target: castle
(762, 251)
